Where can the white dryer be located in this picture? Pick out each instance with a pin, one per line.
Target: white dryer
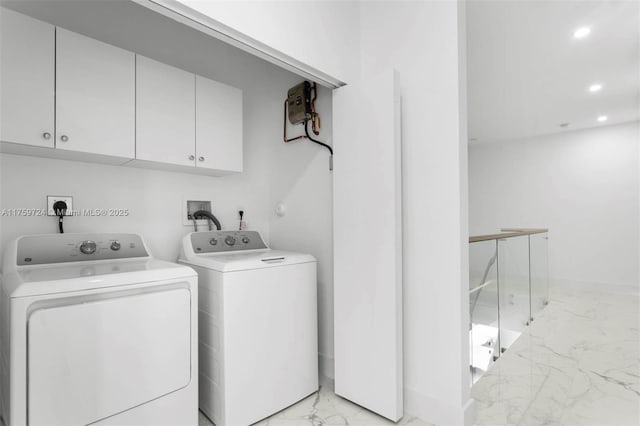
(95, 331)
(258, 325)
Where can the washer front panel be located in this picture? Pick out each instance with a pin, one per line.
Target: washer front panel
(226, 241)
(89, 361)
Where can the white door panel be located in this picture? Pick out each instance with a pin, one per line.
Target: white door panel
(165, 113)
(218, 125)
(88, 361)
(367, 233)
(95, 96)
(27, 48)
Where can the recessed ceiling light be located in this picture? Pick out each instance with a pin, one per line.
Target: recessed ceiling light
(596, 87)
(582, 32)
(603, 118)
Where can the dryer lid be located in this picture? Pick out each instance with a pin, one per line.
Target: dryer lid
(80, 276)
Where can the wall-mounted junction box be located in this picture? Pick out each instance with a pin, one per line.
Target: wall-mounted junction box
(51, 200)
(299, 102)
(192, 206)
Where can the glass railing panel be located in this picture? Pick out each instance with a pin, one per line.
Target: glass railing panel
(513, 275)
(483, 307)
(539, 265)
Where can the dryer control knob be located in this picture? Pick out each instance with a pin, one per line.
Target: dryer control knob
(115, 245)
(230, 240)
(88, 247)
(245, 240)
(213, 241)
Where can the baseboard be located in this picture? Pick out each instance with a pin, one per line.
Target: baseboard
(415, 404)
(470, 412)
(563, 284)
(327, 383)
(325, 371)
(436, 411)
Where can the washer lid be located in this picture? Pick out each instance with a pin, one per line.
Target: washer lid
(79, 276)
(242, 261)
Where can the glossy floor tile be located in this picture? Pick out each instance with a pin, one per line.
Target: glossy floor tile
(577, 364)
(326, 408)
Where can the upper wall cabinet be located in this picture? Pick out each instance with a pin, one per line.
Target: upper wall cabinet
(218, 126)
(26, 80)
(165, 109)
(186, 121)
(64, 95)
(95, 96)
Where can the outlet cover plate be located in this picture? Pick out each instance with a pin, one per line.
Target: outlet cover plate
(52, 199)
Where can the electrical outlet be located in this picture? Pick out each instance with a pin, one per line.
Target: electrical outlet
(51, 200)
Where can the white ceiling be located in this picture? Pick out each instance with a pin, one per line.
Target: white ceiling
(527, 74)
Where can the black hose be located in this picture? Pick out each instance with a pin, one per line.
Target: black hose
(208, 215)
(306, 130)
(60, 225)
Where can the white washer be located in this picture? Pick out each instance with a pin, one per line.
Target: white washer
(95, 331)
(258, 325)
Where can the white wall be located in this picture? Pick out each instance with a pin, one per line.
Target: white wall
(296, 173)
(423, 41)
(582, 185)
(300, 179)
(154, 199)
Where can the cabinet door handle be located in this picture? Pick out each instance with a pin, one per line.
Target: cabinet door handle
(64, 138)
(46, 136)
(201, 159)
(191, 157)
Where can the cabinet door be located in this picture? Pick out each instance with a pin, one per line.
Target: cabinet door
(95, 96)
(26, 80)
(218, 126)
(165, 113)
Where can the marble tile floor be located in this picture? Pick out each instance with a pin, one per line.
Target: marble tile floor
(577, 364)
(326, 408)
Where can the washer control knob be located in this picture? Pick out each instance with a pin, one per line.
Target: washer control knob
(230, 240)
(245, 240)
(88, 247)
(213, 241)
(115, 245)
